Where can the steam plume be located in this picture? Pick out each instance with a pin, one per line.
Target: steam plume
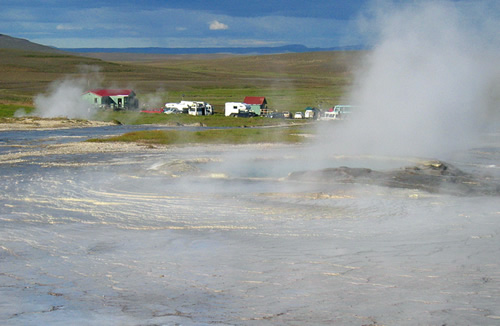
(426, 86)
(64, 97)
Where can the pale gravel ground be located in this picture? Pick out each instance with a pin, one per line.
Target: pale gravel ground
(115, 147)
(71, 148)
(131, 245)
(31, 123)
(58, 149)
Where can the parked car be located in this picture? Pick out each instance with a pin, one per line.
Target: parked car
(172, 111)
(298, 115)
(275, 115)
(286, 115)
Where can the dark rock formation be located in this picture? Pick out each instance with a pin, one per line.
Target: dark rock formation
(431, 176)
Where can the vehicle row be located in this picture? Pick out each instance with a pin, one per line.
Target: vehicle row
(189, 107)
(239, 109)
(338, 112)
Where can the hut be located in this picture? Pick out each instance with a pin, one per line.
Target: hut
(258, 104)
(117, 99)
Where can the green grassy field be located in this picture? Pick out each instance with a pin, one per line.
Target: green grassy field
(9, 110)
(288, 81)
(213, 136)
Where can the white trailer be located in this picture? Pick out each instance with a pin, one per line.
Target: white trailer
(235, 109)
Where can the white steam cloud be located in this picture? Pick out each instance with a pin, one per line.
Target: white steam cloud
(64, 97)
(154, 100)
(427, 85)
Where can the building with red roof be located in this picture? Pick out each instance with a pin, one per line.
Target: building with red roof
(117, 99)
(258, 104)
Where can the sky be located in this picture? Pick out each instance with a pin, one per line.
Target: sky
(180, 23)
(195, 23)
(187, 23)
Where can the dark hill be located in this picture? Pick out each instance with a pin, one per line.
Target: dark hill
(9, 42)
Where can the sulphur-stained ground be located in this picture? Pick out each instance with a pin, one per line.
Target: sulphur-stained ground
(114, 234)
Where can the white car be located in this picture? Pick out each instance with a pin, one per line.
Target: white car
(298, 115)
(171, 111)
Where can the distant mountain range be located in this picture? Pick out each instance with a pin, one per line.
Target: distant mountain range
(292, 48)
(9, 42)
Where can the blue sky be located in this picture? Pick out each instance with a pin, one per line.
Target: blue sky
(186, 23)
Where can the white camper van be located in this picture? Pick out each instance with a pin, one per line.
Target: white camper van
(196, 108)
(236, 109)
(201, 108)
(209, 109)
(339, 112)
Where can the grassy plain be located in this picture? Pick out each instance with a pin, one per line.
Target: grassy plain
(9, 110)
(290, 81)
(212, 136)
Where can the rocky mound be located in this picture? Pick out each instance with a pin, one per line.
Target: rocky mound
(431, 176)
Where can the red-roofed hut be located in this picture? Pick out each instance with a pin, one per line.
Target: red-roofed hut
(117, 99)
(258, 104)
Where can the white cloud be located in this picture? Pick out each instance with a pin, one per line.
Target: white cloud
(63, 27)
(216, 25)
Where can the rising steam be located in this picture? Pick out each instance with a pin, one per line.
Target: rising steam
(64, 97)
(426, 87)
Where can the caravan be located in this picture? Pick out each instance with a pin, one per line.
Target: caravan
(236, 109)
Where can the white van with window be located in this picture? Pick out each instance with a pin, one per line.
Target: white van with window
(338, 112)
(342, 112)
(196, 108)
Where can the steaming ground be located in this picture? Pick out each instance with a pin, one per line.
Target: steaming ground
(208, 235)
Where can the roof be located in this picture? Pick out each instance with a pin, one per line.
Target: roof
(255, 100)
(111, 92)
